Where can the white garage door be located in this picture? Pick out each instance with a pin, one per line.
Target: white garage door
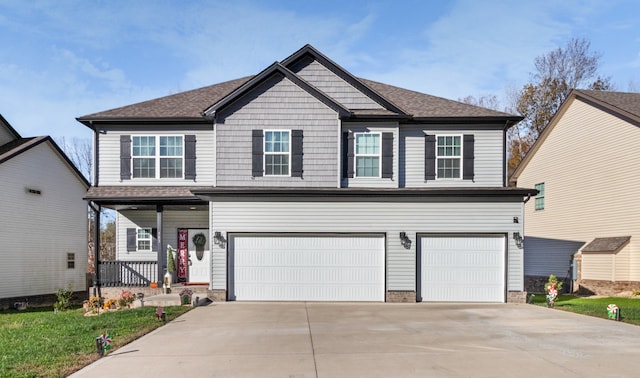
(306, 268)
(462, 268)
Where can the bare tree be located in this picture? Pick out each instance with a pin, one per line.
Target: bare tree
(573, 66)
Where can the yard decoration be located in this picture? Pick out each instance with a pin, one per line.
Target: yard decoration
(171, 261)
(613, 312)
(552, 296)
(199, 240)
(185, 296)
(160, 314)
(103, 343)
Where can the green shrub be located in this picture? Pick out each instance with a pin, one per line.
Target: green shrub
(64, 299)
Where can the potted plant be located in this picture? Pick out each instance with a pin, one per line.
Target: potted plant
(199, 240)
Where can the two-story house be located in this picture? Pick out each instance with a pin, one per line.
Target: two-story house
(43, 224)
(313, 184)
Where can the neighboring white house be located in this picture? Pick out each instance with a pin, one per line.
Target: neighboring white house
(585, 166)
(43, 218)
(313, 184)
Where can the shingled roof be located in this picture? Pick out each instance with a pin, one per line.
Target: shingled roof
(622, 102)
(190, 105)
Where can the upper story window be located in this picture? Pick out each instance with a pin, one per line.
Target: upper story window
(277, 153)
(449, 156)
(367, 154)
(143, 239)
(157, 157)
(540, 196)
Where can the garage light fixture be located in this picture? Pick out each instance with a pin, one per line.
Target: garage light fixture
(218, 239)
(518, 239)
(404, 240)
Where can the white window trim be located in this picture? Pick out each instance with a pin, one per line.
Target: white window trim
(450, 157)
(157, 157)
(265, 153)
(356, 155)
(150, 239)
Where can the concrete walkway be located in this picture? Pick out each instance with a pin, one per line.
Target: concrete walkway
(378, 340)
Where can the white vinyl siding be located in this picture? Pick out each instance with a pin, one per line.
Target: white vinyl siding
(390, 218)
(462, 268)
(306, 267)
(488, 162)
(40, 230)
(278, 104)
(582, 139)
(109, 161)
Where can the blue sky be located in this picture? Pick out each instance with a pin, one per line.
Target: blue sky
(63, 59)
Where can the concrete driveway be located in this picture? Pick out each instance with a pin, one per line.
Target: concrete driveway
(378, 340)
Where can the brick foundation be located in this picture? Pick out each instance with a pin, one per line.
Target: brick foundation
(40, 300)
(601, 287)
(217, 295)
(396, 296)
(517, 297)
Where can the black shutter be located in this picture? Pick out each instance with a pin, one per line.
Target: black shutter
(154, 240)
(257, 165)
(131, 239)
(467, 157)
(387, 155)
(125, 157)
(296, 153)
(190, 157)
(429, 157)
(349, 155)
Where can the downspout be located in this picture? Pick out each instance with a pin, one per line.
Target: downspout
(504, 155)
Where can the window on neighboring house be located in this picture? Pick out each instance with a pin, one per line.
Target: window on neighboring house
(143, 239)
(449, 156)
(71, 260)
(540, 196)
(367, 154)
(155, 157)
(277, 153)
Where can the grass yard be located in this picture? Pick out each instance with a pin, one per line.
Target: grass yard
(629, 307)
(40, 343)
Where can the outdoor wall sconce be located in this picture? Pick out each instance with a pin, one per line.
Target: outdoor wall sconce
(518, 239)
(404, 240)
(218, 239)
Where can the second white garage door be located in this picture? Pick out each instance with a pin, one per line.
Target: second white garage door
(462, 268)
(306, 268)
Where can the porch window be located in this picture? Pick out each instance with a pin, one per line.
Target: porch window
(155, 157)
(143, 241)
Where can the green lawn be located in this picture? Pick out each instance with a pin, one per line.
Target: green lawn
(40, 343)
(629, 307)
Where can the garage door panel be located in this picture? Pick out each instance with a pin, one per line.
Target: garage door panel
(462, 268)
(314, 268)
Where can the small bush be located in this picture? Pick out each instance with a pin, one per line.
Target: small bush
(64, 299)
(635, 292)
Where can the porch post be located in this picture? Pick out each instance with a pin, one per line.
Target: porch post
(162, 259)
(96, 252)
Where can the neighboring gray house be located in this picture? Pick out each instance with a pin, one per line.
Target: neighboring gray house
(312, 184)
(43, 229)
(584, 164)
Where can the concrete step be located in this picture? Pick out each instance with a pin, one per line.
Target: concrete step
(162, 300)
